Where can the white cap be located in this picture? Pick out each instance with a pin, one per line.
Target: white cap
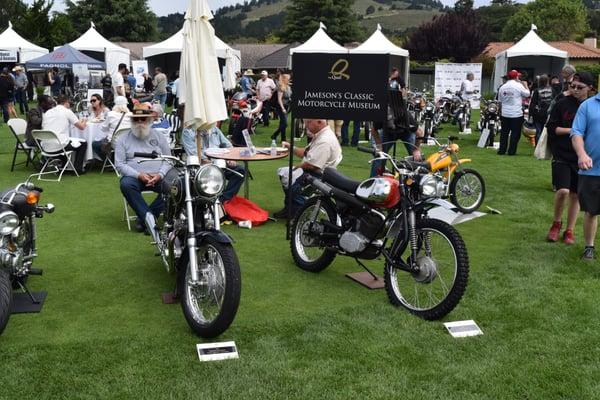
(120, 101)
(264, 73)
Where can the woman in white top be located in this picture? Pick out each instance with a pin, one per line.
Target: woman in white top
(97, 109)
(115, 120)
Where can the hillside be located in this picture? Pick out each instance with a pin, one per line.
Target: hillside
(258, 19)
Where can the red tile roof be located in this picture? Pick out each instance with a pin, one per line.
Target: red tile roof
(576, 50)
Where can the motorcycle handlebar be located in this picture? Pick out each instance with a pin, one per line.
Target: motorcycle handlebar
(152, 155)
(369, 150)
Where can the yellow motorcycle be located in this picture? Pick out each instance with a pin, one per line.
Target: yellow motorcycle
(465, 187)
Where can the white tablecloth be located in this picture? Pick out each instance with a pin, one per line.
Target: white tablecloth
(88, 134)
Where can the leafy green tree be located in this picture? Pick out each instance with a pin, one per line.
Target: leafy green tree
(502, 2)
(463, 6)
(594, 19)
(454, 36)
(11, 10)
(370, 10)
(44, 28)
(495, 17)
(555, 19)
(303, 17)
(127, 20)
(170, 24)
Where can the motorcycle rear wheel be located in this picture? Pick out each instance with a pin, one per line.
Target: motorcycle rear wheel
(5, 299)
(307, 252)
(210, 308)
(441, 282)
(467, 190)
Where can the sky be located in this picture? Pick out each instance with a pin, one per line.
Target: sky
(162, 7)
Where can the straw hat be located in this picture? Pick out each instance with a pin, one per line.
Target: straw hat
(249, 72)
(18, 68)
(143, 110)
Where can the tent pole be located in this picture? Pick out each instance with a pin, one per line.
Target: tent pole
(290, 177)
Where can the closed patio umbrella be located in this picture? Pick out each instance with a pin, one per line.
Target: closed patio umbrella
(200, 80)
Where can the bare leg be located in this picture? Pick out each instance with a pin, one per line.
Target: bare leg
(590, 226)
(560, 198)
(573, 210)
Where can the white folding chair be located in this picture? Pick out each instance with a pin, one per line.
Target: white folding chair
(108, 162)
(18, 127)
(53, 151)
(126, 215)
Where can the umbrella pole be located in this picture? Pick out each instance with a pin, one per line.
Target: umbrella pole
(199, 143)
(290, 176)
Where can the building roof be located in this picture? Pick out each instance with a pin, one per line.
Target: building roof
(576, 50)
(278, 59)
(136, 48)
(251, 53)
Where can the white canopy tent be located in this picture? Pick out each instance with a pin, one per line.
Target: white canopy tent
(530, 53)
(378, 43)
(174, 44)
(320, 42)
(93, 42)
(12, 41)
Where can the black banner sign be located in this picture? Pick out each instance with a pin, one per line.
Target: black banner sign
(340, 86)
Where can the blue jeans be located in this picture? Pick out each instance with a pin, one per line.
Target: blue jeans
(132, 189)
(234, 182)
(409, 144)
(21, 99)
(355, 133)
(162, 99)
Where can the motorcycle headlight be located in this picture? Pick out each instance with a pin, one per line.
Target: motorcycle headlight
(8, 222)
(492, 109)
(209, 181)
(431, 186)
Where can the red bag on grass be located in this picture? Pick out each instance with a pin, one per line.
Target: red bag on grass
(241, 209)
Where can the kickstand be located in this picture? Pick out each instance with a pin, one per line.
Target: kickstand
(26, 289)
(375, 277)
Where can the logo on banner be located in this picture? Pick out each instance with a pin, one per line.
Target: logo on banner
(339, 69)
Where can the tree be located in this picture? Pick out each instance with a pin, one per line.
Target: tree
(454, 36)
(495, 17)
(170, 24)
(370, 10)
(555, 19)
(11, 10)
(127, 20)
(303, 17)
(594, 18)
(463, 6)
(42, 27)
(502, 2)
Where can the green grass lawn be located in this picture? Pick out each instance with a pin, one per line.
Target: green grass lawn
(104, 332)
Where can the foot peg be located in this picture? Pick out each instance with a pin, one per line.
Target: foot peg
(36, 271)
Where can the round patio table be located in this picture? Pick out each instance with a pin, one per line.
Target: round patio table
(233, 154)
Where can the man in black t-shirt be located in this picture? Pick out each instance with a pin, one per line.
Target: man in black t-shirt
(564, 158)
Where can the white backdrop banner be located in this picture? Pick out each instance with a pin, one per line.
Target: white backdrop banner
(450, 77)
(8, 56)
(139, 67)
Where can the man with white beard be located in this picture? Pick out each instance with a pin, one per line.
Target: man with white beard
(138, 177)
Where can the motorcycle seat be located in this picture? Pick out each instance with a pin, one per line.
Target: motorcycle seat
(339, 180)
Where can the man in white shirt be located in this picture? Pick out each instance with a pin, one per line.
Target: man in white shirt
(118, 83)
(511, 96)
(59, 120)
(264, 91)
(466, 87)
(323, 151)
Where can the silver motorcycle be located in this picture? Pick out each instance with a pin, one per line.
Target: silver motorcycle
(191, 244)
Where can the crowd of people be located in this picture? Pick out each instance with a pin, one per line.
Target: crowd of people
(570, 114)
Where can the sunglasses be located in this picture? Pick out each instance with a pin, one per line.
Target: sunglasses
(578, 87)
(93, 101)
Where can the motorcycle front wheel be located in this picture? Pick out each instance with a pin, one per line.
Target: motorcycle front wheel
(210, 306)
(307, 250)
(467, 190)
(441, 280)
(5, 299)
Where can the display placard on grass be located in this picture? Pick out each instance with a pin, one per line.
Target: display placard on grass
(217, 351)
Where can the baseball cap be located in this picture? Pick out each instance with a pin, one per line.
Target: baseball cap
(584, 77)
(513, 74)
(264, 73)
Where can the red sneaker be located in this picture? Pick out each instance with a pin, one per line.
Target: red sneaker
(568, 237)
(554, 231)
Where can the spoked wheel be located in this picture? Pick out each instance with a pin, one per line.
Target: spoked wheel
(81, 106)
(5, 299)
(462, 121)
(467, 190)
(299, 129)
(210, 305)
(307, 250)
(428, 128)
(440, 283)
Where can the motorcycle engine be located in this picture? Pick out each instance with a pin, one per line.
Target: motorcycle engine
(11, 256)
(366, 229)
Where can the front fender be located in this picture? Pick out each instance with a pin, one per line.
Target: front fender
(464, 160)
(218, 236)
